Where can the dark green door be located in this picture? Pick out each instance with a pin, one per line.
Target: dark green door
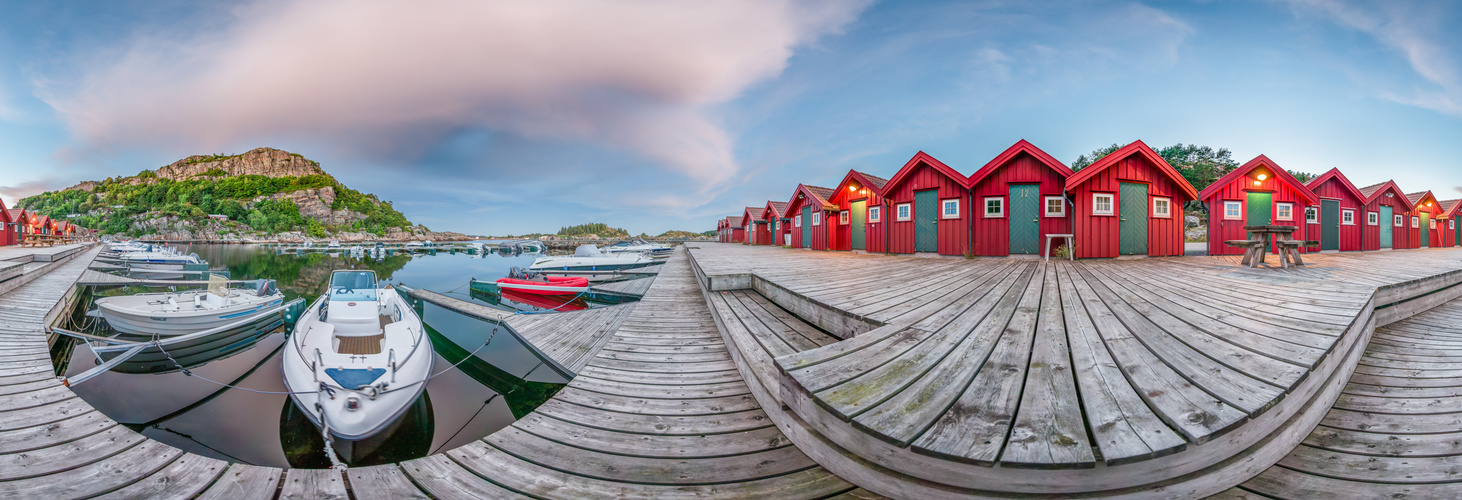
(926, 221)
(1388, 226)
(859, 224)
(1329, 225)
(806, 227)
(1456, 232)
(1134, 219)
(1025, 219)
(1426, 230)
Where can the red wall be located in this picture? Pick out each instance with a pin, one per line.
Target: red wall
(841, 236)
(1436, 211)
(1400, 236)
(1097, 236)
(992, 235)
(1350, 236)
(953, 233)
(763, 233)
(819, 233)
(738, 234)
(1220, 230)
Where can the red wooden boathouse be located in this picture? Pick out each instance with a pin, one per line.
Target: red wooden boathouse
(1452, 237)
(1425, 213)
(1130, 202)
(859, 223)
(735, 231)
(45, 225)
(1392, 211)
(1327, 222)
(8, 225)
(809, 210)
(1019, 197)
(1258, 193)
(756, 226)
(775, 213)
(22, 223)
(721, 230)
(928, 202)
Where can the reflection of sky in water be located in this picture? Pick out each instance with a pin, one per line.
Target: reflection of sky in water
(238, 425)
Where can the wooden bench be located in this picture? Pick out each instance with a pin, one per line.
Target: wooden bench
(1290, 250)
(1253, 251)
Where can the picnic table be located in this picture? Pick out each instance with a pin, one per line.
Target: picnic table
(1262, 238)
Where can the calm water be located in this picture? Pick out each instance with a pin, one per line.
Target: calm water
(488, 390)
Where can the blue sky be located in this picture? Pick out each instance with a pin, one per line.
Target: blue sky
(496, 117)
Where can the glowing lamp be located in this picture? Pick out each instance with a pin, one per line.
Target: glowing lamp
(1263, 176)
(852, 188)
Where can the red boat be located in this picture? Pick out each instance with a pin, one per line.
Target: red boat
(553, 303)
(546, 285)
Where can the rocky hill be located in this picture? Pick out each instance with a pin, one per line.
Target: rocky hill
(264, 194)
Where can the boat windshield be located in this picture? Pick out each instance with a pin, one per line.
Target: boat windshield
(353, 285)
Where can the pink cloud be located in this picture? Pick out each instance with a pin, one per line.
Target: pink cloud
(388, 76)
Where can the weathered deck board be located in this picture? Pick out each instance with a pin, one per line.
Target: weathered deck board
(1387, 436)
(1008, 364)
(637, 286)
(570, 338)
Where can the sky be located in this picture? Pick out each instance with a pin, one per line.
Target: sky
(513, 117)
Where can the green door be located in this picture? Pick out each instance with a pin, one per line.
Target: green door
(859, 223)
(1260, 210)
(926, 221)
(1388, 226)
(1134, 219)
(1456, 232)
(1426, 230)
(806, 227)
(1329, 225)
(1025, 219)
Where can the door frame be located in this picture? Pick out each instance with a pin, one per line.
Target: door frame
(1146, 217)
(1011, 221)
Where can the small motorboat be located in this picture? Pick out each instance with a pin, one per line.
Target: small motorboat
(358, 357)
(413, 244)
(181, 313)
(159, 260)
(639, 245)
(522, 281)
(333, 244)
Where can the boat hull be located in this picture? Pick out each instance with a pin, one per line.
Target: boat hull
(169, 323)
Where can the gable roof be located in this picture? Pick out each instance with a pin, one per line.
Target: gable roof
(1449, 207)
(873, 183)
(1418, 197)
(1260, 161)
(778, 208)
(1021, 146)
(1136, 148)
(752, 213)
(1374, 191)
(1335, 174)
(924, 158)
(819, 194)
(734, 222)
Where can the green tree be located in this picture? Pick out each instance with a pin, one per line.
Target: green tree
(258, 220)
(1086, 160)
(1304, 177)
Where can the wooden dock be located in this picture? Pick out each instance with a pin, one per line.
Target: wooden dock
(569, 338)
(760, 372)
(636, 286)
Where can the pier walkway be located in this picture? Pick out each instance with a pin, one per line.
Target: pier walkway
(1008, 377)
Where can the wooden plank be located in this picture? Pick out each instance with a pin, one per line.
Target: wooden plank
(186, 477)
(301, 484)
(244, 481)
(1049, 431)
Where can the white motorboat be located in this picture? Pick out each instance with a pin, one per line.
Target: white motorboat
(181, 313)
(158, 260)
(638, 245)
(589, 262)
(413, 244)
(358, 357)
(334, 244)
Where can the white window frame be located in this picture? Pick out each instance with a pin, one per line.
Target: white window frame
(999, 200)
(797, 221)
(875, 214)
(944, 208)
(1096, 204)
(1451, 223)
(1312, 215)
(1398, 221)
(1373, 219)
(1433, 223)
(843, 218)
(1284, 211)
(816, 219)
(1238, 210)
(1347, 217)
(903, 212)
(1415, 222)
(1168, 202)
(1062, 205)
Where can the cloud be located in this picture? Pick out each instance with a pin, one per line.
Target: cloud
(392, 79)
(1413, 30)
(29, 188)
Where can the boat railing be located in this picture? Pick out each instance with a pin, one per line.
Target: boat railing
(315, 365)
(391, 360)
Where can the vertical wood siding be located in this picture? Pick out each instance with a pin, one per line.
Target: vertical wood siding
(1400, 236)
(1220, 230)
(992, 235)
(1351, 237)
(953, 233)
(1098, 236)
(842, 234)
(1435, 211)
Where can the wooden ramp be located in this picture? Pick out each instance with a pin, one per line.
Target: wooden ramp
(1396, 431)
(569, 338)
(660, 412)
(1006, 377)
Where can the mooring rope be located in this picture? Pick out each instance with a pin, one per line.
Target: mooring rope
(335, 462)
(554, 308)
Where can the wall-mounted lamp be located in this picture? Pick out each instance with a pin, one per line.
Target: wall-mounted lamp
(1263, 176)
